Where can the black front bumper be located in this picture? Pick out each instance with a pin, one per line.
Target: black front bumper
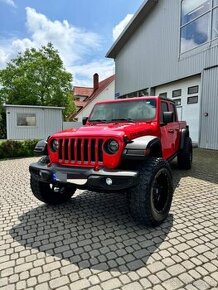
(85, 178)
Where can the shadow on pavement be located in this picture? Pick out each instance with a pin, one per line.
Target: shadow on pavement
(91, 231)
(204, 167)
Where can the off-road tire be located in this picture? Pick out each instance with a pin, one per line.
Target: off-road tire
(184, 158)
(45, 193)
(155, 183)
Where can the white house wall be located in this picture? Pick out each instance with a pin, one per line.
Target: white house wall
(107, 94)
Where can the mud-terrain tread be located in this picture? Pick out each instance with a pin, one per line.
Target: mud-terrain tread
(43, 192)
(139, 196)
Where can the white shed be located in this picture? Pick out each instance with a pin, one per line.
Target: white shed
(32, 122)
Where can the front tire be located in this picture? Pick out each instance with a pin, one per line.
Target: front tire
(47, 194)
(151, 199)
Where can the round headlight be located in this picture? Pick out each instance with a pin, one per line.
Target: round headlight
(111, 146)
(54, 145)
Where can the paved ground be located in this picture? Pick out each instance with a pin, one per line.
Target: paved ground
(92, 243)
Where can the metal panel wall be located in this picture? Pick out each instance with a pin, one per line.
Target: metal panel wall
(48, 121)
(209, 112)
(151, 56)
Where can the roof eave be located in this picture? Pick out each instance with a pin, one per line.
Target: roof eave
(137, 19)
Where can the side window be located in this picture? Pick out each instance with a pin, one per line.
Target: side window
(164, 108)
(173, 109)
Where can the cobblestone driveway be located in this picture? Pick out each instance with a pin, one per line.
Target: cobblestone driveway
(92, 243)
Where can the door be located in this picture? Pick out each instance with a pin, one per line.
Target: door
(209, 109)
(167, 133)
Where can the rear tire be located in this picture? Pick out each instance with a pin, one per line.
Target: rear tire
(151, 199)
(184, 158)
(45, 193)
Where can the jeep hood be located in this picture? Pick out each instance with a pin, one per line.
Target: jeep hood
(131, 130)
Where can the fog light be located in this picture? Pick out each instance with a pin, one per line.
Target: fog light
(109, 181)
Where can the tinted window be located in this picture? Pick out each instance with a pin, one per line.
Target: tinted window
(164, 108)
(173, 109)
(192, 100)
(176, 93)
(163, 95)
(193, 90)
(26, 119)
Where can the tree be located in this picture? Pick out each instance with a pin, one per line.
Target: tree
(37, 77)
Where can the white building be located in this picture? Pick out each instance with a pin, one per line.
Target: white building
(170, 48)
(32, 122)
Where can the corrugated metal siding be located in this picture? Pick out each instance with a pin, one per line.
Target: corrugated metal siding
(209, 124)
(151, 56)
(48, 121)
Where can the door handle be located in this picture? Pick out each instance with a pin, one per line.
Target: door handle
(171, 131)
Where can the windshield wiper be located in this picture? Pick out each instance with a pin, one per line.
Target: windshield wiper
(122, 119)
(99, 120)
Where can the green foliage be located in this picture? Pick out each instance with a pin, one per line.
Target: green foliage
(11, 148)
(37, 77)
(2, 123)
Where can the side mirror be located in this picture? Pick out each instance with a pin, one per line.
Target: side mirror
(84, 120)
(167, 117)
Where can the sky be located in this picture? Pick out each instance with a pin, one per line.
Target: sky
(81, 30)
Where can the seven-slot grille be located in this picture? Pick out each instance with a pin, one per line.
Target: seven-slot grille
(81, 150)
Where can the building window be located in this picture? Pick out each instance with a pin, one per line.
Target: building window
(163, 95)
(26, 119)
(176, 93)
(193, 90)
(192, 100)
(199, 23)
(143, 93)
(177, 102)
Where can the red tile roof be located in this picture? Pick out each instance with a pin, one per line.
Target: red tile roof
(82, 91)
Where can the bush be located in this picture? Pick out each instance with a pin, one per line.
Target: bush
(11, 148)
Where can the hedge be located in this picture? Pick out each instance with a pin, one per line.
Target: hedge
(11, 148)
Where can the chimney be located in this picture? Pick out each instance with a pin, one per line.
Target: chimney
(95, 81)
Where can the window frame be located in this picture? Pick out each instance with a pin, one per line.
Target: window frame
(177, 90)
(190, 98)
(26, 115)
(195, 92)
(210, 11)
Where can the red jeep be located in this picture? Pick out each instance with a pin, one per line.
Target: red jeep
(124, 146)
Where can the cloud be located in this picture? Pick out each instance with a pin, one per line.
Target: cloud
(74, 44)
(9, 2)
(104, 68)
(118, 29)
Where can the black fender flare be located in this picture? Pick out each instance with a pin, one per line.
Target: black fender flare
(135, 149)
(41, 148)
(184, 133)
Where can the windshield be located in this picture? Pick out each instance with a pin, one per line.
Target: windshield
(124, 111)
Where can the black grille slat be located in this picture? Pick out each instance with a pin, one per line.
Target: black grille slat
(60, 149)
(86, 142)
(78, 148)
(66, 157)
(72, 149)
(93, 150)
(100, 151)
